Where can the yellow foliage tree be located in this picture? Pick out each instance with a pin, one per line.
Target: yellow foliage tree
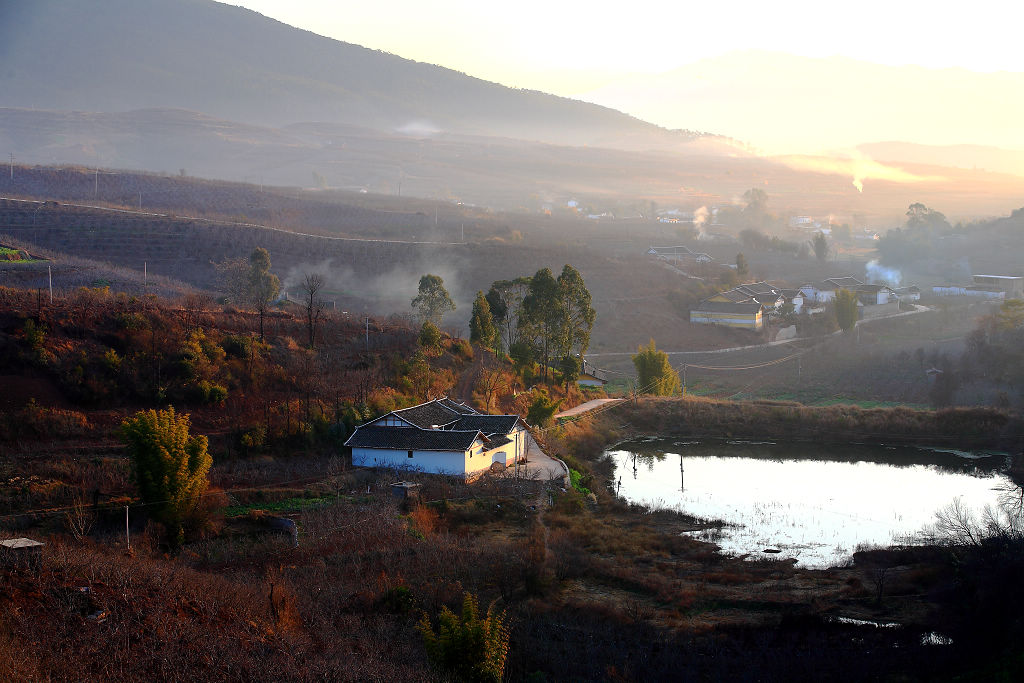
(169, 465)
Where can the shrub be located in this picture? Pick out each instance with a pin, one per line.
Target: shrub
(541, 409)
(462, 349)
(577, 480)
(237, 346)
(468, 647)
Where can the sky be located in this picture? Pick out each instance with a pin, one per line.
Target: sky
(574, 48)
(568, 45)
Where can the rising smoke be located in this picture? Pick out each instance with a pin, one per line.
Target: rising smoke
(700, 218)
(379, 292)
(876, 273)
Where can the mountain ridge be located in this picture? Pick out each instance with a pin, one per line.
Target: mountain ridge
(233, 63)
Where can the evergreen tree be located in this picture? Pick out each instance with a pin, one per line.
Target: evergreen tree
(846, 309)
(742, 268)
(542, 317)
(430, 337)
(433, 300)
(820, 246)
(481, 325)
(577, 315)
(264, 286)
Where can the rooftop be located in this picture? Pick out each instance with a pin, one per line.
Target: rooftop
(392, 438)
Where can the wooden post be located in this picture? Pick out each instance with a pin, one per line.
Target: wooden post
(127, 538)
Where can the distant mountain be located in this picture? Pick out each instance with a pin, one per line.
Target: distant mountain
(787, 104)
(232, 63)
(979, 157)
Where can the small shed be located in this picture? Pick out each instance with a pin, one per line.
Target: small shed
(407, 492)
(21, 553)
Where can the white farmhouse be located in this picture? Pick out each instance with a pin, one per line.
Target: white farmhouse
(441, 437)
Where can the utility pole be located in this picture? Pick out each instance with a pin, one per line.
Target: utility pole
(96, 183)
(49, 276)
(140, 201)
(12, 166)
(684, 379)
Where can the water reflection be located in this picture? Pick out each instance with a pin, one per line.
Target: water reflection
(812, 502)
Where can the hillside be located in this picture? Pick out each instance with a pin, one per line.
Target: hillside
(229, 62)
(496, 173)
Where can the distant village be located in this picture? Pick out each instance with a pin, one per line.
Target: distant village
(752, 305)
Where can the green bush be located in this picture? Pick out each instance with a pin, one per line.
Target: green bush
(237, 346)
(466, 646)
(578, 480)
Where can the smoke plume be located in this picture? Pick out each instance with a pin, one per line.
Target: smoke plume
(879, 274)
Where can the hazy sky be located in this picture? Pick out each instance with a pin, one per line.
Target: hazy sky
(611, 53)
(570, 46)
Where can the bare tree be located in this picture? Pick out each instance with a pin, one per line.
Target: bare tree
(312, 283)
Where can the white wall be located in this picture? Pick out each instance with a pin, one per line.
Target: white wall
(437, 462)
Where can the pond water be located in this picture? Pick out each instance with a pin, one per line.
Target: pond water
(815, 503)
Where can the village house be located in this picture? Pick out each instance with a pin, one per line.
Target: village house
(794, 298)
(746, 306)
(679, 255)
(748, 315)
(911, 293)
(592, 376)
(1013, 285)
(874, 295)
(819, 293)
(441, 437)
(997, 287)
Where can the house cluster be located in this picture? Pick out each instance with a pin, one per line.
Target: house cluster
(986, 287)
(679, 256)
(749, 306)
(867, 294)
(746, 306)
(442, 437)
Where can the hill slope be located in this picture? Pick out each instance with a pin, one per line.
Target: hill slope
(229, 62)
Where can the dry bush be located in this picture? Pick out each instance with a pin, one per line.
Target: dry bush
(424, 519)
(79, 519)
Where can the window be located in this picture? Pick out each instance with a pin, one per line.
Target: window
(410, 454)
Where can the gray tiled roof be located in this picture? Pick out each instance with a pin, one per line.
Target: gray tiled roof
(429, 415)
(499, 442)
(488, 424)
(405, 438)
(460, 408)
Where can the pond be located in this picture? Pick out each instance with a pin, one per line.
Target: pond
(816, 503)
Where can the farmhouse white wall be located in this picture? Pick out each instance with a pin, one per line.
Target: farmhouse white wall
(438, 462)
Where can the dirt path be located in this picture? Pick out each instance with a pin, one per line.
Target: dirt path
(585, 407)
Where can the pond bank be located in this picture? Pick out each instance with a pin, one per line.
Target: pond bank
(976, 427)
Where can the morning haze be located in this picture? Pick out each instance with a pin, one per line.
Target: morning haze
(454, 341)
